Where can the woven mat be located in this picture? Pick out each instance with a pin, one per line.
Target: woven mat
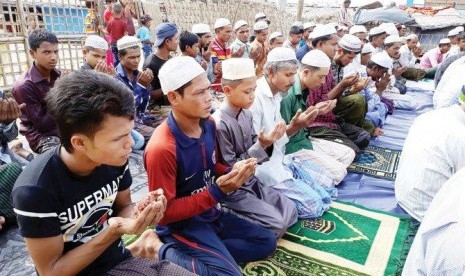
(377, 162)
(347, 240)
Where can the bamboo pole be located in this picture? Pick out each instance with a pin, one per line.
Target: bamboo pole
(22, 16)
(300, 8)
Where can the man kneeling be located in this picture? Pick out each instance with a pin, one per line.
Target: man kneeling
(73, 202)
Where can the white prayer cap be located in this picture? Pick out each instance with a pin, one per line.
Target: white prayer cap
(237, 68)
(376, 31)
(200, 28)
(367, 48)
(281, 54)
(357, 29)
(127, 41)
(221, 22)
(259, 15)
(275, 35)
(323, 30)
(382, 59)
(309, 25)
(453, 32)
(178, 71)
(444, 41)
(298, 24)
(460, 29)
(411, 36)
(351, 43)
(392, 39)
(341, 28)
(260, 25)
(239, 24)
(389, 28)
(96, 42)
(316, 58)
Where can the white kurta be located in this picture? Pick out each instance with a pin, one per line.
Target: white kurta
(433, 151)
(450, 85)
(439, 245)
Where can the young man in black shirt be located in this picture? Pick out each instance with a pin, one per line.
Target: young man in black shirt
(73, 202)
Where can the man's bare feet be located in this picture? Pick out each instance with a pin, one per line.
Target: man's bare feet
(378, 132)
(2, 221)
(146, 246)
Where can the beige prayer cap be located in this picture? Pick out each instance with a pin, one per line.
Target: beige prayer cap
(382, 59)
(444, 41)
(260, 15)
(322, 30)
(316, 58)
(376, 31)
(275, 35)
(260, 25)
(392, 39)
(200, 28)
(127, 41)
(238, 68)
(357, 29)
(281, 54)
(96, 42)
(239, 24)
(178, 71)
(221, 22)
(367, 48)
(351, 43)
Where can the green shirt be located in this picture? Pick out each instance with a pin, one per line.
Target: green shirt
(293, 101)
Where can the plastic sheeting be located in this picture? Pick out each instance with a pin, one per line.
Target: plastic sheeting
(378, 193)
(393, 15)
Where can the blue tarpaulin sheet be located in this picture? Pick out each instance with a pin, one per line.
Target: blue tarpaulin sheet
(378, 193)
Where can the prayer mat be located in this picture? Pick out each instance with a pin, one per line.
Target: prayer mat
(347, 240)
(377, 162)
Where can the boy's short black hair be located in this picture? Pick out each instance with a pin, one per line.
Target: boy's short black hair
(80, 101)
(39, 36)
(296, 30)
(109, 1)
(187, 38)
(321, 38)
(373, 65)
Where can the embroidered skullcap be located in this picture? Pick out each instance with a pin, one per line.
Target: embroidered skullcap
(275, 35)
(351, 43)
(382, 59)
(281, 54)
(389, 28)
(392, 39)
(127, 41)
(411, 36)
(178, 71)
(444, 41)
(323, 30)
(259, 15)
(316, 58)
(260, 25)
(376, 31)
(453, 32)
(221, 22)
(239, 24)
(238, 68)
(367, 48)
(96, 42)
(357, 29)
(200, 28)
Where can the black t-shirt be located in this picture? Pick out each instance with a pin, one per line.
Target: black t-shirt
(155, 63)
(50, 200)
